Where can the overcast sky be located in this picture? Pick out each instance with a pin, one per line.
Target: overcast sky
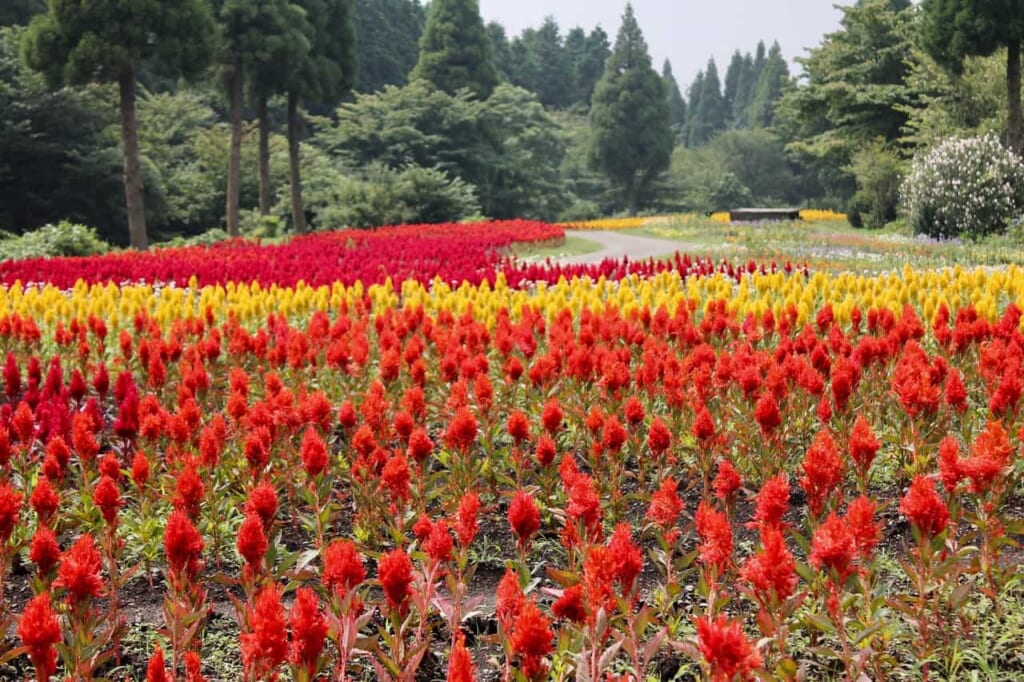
(685, 31)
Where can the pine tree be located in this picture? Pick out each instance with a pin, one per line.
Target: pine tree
(20, 12)
(676, 103)
(746, 84)
(554, 77)
(82, 42)
(501, 50)
(629, 117)
(771, 85)
(691, 110)
(590, 68)
(387, 41)
(455, 52)
(709, 114)
(733, 74)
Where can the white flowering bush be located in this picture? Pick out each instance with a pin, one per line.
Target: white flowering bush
(969, 186)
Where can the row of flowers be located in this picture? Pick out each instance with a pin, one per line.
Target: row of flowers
(807, 215)
(659, 486)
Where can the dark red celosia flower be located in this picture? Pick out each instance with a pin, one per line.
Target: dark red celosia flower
(834, 547)
(39, 630)
(570, 605)
(5, 446)
(822, 471)
(627, 556)
(466, 525)
(546, 450)
(716, 537)
(462, 428)
(44, 551)
(10, 508)
(863, 445)
(265, 646)
(949, 463)
(460, 663)
(772, 571)
(107, 497)
(523, 517)
(80, 571)
(347, 415)
(989, 458)
(252, 542)
(727, 482)
(420, 445)
(395, 477)
(343, 567)
(659, 438)
(12, 377)
(924, 508)
(551, 416)
(518, 426)
(510, 599)
(183, 545)
(189, 492)
(313, 452)
(532, 640)
(59, 450)
(860, 517)
(439, 542)
(23, 423)
(666, 506)
(613, 434)
(703, 425)
(263, 502)
(309, 630)
(634, 411)
(766, 412)
(256, 449)
(140, 469)
(156, 669)
(110, 465)
(395, 574)
(726, 649)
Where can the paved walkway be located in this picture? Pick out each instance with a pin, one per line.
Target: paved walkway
(616, 245)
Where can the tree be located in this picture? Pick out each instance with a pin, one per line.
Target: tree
(589, 69)
(733, 75)
(321, 76)
(455, 51)
(771, 85)
(676, 103)
(708, 114)
(553, 84)
(76, 43)
(501, 50)
(632, 138)
(746, 84)
(694, 103)
(955, 29)
(387, 40)
(20, 12)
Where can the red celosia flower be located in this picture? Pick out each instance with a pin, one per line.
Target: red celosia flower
(523, 517)
(263, 502)
(256, 449)
(665, 506)
(313, 452)
(439, 542)
(466, 526)
(772, 570)
(420, 445)
(595, 420)
(634, 411)
(518, 426)
(834, 547)
(546, 450)
(956, 391)
(347, 415)
(659, 438)
(860, 517)
(924, 508)
(988, 459)
(10, 508)
(726, 649)
(44, 551)
(460, 663)
(183, 545)
(599, 571)
(395, 477)
(107, 497)
(863, 445)
(570, 605)
(343, 567)
(265, 647)
(309, 630)
(716, 537)
(39, 630)
(823, 471)
(79, 571)
(83, 437)
(728, 482)
(551, 416)
(421, 529)
(395, 574)
(140, 469)
(193, 667)
(189, 491)
(628, 559)
(766, 412)
(156, 669)
(613, 434)
(703, 425)
(110, 466)
(532, 640)
(510, 599)
(462, 428)
(949, 463)
(585, 503)
(44, 501)
(252, 542)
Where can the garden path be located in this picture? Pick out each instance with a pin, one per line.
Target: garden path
(619, 244)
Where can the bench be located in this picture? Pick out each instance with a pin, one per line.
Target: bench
(753, 215)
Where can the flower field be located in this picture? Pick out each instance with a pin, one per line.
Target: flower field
(404, 455)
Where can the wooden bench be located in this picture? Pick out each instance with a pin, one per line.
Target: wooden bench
(754, 215)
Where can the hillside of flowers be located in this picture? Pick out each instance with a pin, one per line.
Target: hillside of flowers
(401, 455)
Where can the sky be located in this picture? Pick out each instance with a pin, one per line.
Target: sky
(686, 32)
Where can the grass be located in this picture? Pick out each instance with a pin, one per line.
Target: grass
(572, 246)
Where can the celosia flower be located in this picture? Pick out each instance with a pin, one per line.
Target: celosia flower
(518, 426)
(532, 640)
(466, 526)
(439, 542)
(80, 571)
(460, 663)
(44, 551)
(627, 557)
(523, 517)
(183, 545)
(551, 416)
(716, 538)
(726, 649)
(772, 501)
(924, 508)
(107, 497)
(546, 450)
(39, 630)
(44, 501)
(193, 667)
(263, 502)
(420, 446)
(949, 463)
(509, 600)
(462, 428)
(156, 669)
(309, 630)
(823, 471)
(252, 542)
(727, 482)
(140, 469)
(10, 508)
(313, 452)
(343, 567)
(570, 605)
(704, 425)
(265, 646)
(665, 506)
(613, 435)
(659, 438)
(989, 458)
(772, 571)
(395, 574)
(863, 444)
(834, 547)
(860, 517)
(189, 491)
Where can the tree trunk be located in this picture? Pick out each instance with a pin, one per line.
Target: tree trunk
(1014, 117)
(235, 157)
(298, 212)
(132, 163)
(264, 117)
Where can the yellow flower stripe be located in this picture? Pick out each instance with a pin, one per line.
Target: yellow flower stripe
(720, 217)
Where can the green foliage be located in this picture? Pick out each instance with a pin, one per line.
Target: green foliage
(326, 72)
(632, 142)
(455, 51)
(954, 29)
(676, 103)
(968, 187)
(20, 12)
(387, 37)
(772, 84)
(879, 172)
(208, 238)
(63, 239)
(708, 113)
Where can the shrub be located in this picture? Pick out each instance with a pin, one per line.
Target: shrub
(63, 239)
(878, 172)
(967, 187)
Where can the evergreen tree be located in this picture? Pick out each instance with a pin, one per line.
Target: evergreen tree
(746, 84)
(952, 30)
(676, 103)
(629, 116)
(76, 43)
(691, 109)
(525, 64)
(454, 50)
(771, 85)
(20, 12)
(575, 45)
(554, 77)
(387, 41)
(733, 74)
(709, 114)
(501, 50)
(591, 65)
